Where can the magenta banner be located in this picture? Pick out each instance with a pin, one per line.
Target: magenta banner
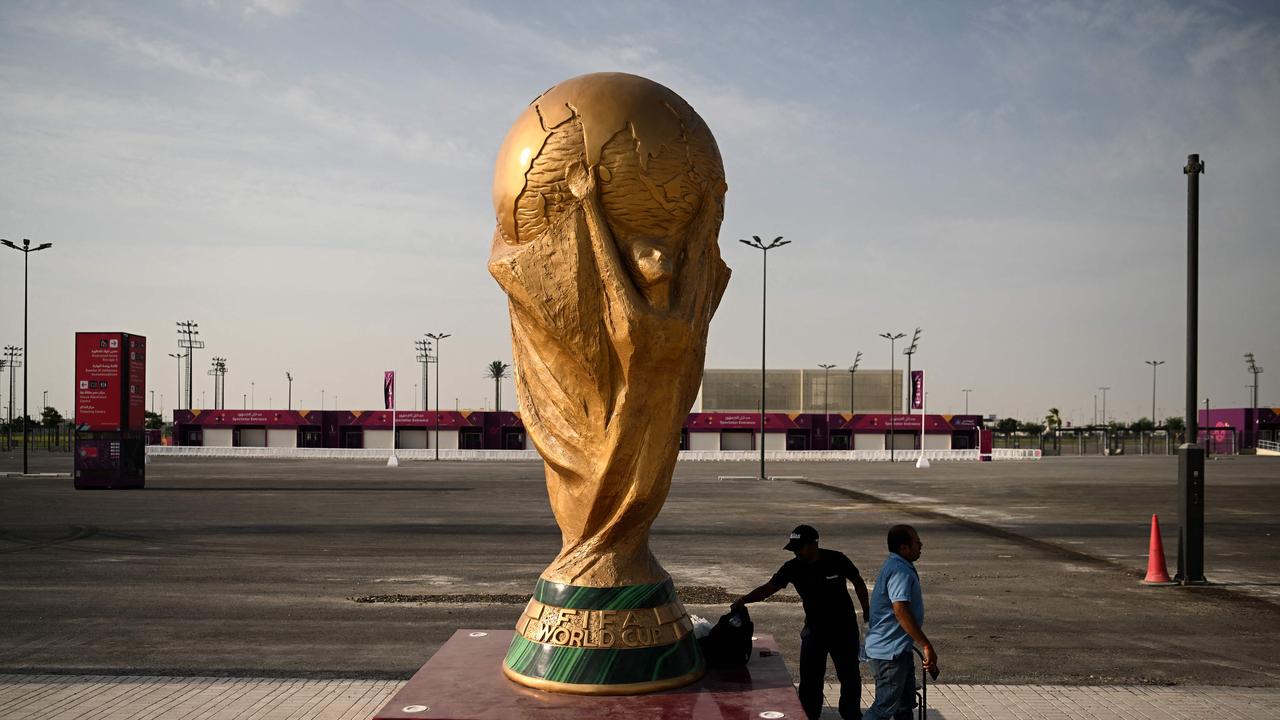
(389, 389)
(917, 389)
(231, 418)
(745, 421)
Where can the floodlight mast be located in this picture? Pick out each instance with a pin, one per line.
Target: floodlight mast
(187, 333)
(438, 338)
(966, 392)
(760, 245)
(853, 372)
(894, 395)
(26, 251)
(424, 356)
(12, 352)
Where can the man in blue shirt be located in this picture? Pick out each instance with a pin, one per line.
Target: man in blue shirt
(897, 613)
(830, 624)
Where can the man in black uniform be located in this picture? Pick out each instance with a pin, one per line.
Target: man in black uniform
(830, 623)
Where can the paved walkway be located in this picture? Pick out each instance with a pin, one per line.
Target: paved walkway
(98, 697)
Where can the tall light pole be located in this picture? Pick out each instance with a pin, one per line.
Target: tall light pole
(26, 251)
(909, 351)
(1104, 404)
(1255, 371)
(438, 338)
(966, 392)
(253, 401)
(4, 362)
(178, 357)
(424, 356)
(853, 373)
(1190, 455)
(760, 245)
(1154, 364)
(826, 400)
(289, 378)
(187, 339)
(218, 371)
(12, 352)
(893, 339)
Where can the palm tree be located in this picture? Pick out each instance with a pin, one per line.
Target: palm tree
(497, 370)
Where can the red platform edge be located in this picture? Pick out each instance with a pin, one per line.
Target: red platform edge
(464, 681)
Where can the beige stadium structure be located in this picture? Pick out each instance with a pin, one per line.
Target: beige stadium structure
(802, 391)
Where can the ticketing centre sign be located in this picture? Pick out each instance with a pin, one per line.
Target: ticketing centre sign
(110, 381)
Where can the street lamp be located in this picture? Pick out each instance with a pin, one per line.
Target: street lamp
(966, 392)
(853, 370)
(1154, 364)
(438, 338)
(909, 351)
(826, 398)
(26, 251)
(760, 245)
(289, 377)
(893, 339)
(1104, 404)
(178, 357)
(253, 402)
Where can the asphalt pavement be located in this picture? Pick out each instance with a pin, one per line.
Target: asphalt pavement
(255, 568)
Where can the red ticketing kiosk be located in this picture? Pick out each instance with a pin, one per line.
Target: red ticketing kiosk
(111, 375)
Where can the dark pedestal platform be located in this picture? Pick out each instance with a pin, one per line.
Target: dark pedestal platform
(464, 681)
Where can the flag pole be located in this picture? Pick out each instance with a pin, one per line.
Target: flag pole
(392, 460)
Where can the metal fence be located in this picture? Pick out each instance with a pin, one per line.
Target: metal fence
(1089, 441)
(51, 439)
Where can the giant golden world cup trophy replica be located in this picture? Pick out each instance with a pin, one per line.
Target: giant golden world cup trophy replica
(609, 192)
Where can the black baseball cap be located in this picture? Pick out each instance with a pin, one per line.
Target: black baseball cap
(801, 536)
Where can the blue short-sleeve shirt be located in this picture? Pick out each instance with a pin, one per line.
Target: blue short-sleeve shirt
(897, 582)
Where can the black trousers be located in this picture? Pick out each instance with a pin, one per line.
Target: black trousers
(841, 643)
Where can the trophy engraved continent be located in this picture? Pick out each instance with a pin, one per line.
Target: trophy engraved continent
(609, 193)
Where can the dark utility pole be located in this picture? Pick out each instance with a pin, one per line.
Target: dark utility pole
(1190, 453)
(289, 376)
(438, 338)
(26, 251)
(853, 374)
(893, 394)
(760, 245)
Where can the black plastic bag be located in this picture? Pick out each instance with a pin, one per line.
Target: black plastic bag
(728, 645)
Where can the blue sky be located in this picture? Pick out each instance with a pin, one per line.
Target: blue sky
(310, 182)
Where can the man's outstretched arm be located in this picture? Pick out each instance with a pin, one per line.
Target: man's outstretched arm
(860, 587)
(756, 595)
(902, 611)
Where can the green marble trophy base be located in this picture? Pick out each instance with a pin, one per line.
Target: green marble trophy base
(604, 641)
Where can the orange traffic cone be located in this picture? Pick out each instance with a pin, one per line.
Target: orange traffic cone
(1157, 572)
